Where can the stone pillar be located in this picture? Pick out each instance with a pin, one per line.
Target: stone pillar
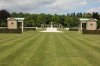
(81, 26)
(22, 26)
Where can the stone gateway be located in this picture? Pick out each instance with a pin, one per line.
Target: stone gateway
(88, 24)
(15, 23)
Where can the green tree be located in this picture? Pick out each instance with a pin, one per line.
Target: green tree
(41, 20)
(62, 19)
(95, 15)
(67, 21)
(71, 21)
(30, 23)
(98, 22)
(48, 18)
(56, 19)
(14, 14)
(3, 17)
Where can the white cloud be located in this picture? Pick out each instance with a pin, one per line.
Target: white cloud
(65, 4)
(94, 10)
(84, 3)
(40, 5)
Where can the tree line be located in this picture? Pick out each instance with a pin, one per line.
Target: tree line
(35, 20)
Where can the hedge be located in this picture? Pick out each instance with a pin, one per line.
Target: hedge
(73, 29)
(91, 31)
(10, 30)
(30, 29)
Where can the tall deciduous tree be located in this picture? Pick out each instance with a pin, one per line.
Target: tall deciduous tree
(56, 19)
(95, 15)
(40, 20)
(3, 17)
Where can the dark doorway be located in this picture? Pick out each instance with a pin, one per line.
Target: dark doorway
(84, 26)
(19, 25)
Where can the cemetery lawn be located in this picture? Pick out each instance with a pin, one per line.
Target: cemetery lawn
(49, 49)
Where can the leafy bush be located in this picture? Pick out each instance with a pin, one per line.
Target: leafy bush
(91, 31)
(29, 29)
(10, 30)
(73, 29)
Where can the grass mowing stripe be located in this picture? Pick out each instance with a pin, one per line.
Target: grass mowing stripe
(88, 38)
(39, 55)
(97, 43)
(78, 55)
(50, 49)
(73, 52)
(86, 43)
(50, 52)
(90, 57)
(51, 58)
(9, 36)
(62, 51)
(8, 45)
(4, 36)
(89, 43)
(12, 38)
(19, 51)
(13, 49)
(66, 44)
(25, 57)
(19, 38)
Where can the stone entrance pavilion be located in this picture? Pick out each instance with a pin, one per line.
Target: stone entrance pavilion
(88, 24)
(15, 23)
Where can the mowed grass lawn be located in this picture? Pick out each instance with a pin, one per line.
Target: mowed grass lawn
(49, 49)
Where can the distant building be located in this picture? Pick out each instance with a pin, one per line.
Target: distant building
(15, 23)
(88, 24)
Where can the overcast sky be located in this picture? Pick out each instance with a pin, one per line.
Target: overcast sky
(50, 6)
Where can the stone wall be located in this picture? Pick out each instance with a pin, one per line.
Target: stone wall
(91, 26)
(12, 24)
